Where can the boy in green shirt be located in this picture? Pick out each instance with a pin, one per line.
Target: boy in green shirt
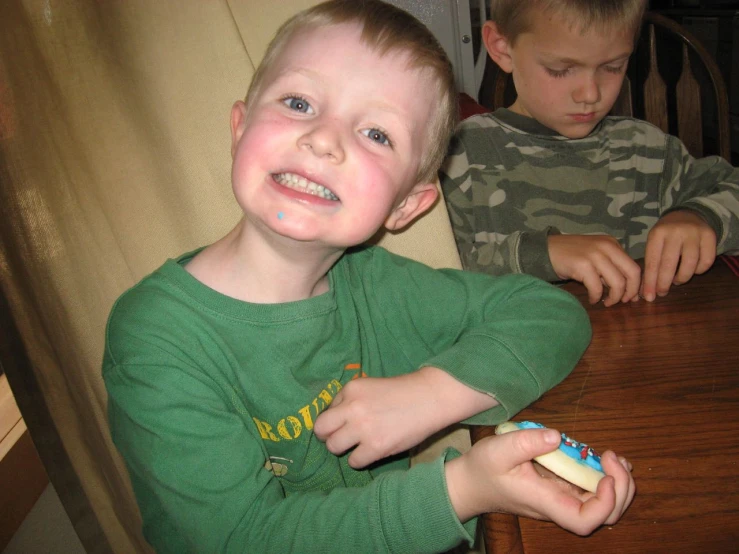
(264, 390)
(554, 187)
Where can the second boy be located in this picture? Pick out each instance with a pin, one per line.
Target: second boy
(554, 187)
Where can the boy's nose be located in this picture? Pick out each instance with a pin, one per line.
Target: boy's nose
(324, 140)
(588, 91)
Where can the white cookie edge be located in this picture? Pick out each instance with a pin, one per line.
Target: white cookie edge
(561, 464)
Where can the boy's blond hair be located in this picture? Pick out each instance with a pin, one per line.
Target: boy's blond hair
(512, 16)
(385, 28)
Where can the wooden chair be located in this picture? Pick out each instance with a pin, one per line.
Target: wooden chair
(683, 96)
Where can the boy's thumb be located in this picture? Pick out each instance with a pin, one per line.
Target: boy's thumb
(530, 443)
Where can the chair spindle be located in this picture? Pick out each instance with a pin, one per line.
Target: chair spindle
(689, 116)
(655, 91)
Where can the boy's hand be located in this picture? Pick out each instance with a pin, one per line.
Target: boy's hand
(385, 416)
(680, 237)
(497, 475)
(596, 261)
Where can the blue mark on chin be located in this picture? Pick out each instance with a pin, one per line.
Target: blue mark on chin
(280, 215)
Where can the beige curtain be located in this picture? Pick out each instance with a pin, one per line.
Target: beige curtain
(114, 155)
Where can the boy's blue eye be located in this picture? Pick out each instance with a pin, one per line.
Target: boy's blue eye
(298, 104)
(377, 136)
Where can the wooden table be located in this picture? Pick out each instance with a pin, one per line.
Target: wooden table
(659, 384)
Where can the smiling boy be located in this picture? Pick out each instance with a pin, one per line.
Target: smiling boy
(233, 371)
(554, 187)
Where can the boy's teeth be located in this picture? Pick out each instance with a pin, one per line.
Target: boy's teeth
(302, 184)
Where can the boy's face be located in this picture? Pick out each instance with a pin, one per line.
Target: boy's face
(331, 146)
(566, 79)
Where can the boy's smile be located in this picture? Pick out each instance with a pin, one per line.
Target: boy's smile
(333, 141)
(304, 186)
(568, 78)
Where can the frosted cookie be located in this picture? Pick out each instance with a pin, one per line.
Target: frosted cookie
(573, 461)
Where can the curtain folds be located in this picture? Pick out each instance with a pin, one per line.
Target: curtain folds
(114, 155)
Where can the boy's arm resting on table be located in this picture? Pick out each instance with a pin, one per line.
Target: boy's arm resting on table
(200, 479)
(511, 337)
(526, 337)
(700, 218)
(486, 348)
(708, 186)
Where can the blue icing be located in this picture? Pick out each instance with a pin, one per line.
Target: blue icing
(572, 448)
(528, 425)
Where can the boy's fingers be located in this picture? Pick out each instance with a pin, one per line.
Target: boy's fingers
(688, 264)
(338, 399)
(632, 272)
(615, 282)
(622, 276)
(599, 508)
(652, 259)
(668, 265)
(328, 423)
(707, 253)
(527, 444)
(623, 484)
(340, 441)
(359, 458)
(623, 500)
(587, 514)
(613, 495)
(510, 450)
(594, 286)
(630, 493)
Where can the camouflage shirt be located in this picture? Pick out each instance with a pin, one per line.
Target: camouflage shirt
(509, 182)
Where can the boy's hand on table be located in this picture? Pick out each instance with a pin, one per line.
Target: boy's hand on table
(497, 475)
(386, 416)
(680, 245)
(598, 262)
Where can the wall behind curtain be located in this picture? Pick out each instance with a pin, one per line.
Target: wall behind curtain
(114, 155)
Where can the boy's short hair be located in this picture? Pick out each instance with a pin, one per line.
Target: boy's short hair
(512, 16)
(385, 28)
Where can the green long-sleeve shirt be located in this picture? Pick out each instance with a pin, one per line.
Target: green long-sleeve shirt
(509, 182)
(212, 400)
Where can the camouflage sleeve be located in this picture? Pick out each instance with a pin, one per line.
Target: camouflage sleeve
(708, 186)
(468, 197)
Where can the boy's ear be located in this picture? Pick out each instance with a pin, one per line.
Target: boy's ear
(421, 197)
(238, 123)
(497, 46)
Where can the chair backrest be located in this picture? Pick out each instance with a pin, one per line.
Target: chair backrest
(682, 95)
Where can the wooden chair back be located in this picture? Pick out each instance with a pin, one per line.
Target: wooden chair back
(683, 96)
